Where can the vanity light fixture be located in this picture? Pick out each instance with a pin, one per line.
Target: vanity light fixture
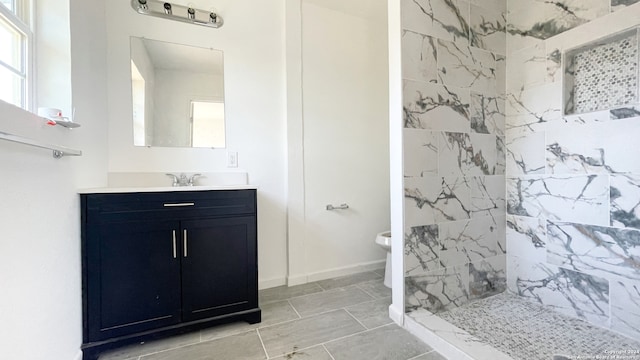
(187, 14)
(142, 6)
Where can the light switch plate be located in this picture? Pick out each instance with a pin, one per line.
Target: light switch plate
(232, 159)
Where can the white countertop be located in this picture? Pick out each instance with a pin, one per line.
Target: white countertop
(113, 190)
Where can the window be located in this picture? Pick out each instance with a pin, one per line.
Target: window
(207, 124)
(15, 53)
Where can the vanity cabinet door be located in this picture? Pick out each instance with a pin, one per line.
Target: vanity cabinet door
(219, 267)
(134, 277)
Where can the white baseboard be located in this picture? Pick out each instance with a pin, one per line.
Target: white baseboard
(345, 270)
(396, 315)
(297, 280)
(335, 272)
(293, 280)
(78, 355)
(271, 283)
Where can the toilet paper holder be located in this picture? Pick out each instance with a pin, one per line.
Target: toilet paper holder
(340, 207)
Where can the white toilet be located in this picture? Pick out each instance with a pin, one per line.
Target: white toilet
(384, 240)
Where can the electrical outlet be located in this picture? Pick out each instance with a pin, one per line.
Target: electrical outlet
(232, 159)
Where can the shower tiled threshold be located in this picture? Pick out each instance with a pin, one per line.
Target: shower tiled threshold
(505, 326)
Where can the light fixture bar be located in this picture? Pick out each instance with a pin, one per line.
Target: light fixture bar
(167, 10)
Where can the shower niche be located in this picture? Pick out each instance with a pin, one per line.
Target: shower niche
(603, 75)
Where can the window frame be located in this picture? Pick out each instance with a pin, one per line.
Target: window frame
(22, 21)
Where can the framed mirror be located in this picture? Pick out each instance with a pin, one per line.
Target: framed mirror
(177, 95)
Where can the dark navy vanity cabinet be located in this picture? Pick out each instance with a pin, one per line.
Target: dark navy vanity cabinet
(162, 263)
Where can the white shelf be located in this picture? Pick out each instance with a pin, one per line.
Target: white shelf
(64, 123)
(68, 124)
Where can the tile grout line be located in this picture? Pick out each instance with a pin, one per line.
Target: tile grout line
(170, 349)
(296, 351)
(321, 287)
(365, 329)
(191, 344)
(266, 354)
(292, 320)
(294, 309)
(330, 310)
(289, 321)
(354, 334)
(325, 291)
(417, 356)
(323, 344)
(365, 291)
(354, 284)
(359, 322)
(294, 297)
(260, 327)
(328, 352)
(372, 299)
(381, 326)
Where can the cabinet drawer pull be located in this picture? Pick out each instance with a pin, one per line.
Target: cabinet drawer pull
(180, 205)
(184, 233)
(175, 252)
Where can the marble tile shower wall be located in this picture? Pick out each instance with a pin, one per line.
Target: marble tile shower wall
(573, 182)
(454, 118)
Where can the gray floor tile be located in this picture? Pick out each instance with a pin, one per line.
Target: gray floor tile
(329, 300)
(244, 346)
(384, 343)
(375, 288)
(348, 280)
(277, 312)
(272, 313)
(314, 353)
(133, 351)
(299, 334)
(430, 356)
(379, 271)
(373, 313)
(283, 331)
(285, 292)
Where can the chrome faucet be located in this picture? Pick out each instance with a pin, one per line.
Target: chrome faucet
(193, 178)
(183, 180)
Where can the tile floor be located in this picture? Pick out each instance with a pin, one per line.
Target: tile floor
(525, 330)
(344, 318)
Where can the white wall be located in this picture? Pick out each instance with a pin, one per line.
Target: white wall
(39, 212)
(40, 270)
(252, 40)
(346, 135)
